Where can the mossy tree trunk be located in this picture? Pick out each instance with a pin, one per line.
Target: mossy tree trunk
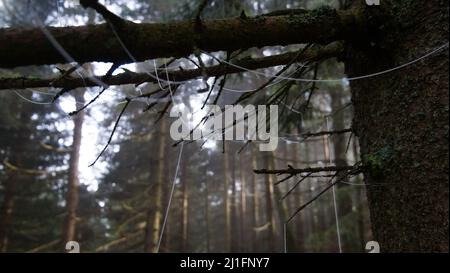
(401, 119)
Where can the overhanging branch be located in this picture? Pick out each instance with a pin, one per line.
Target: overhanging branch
(22, 47)
(313, 54)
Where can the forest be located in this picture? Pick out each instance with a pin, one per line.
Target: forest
(224, 126)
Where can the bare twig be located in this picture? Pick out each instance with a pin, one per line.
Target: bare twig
(286, 67)
(128, 100)
(222, 82)
(313, 199)
(107, 76)
(295, 186)
(356, 169)
(313, 88)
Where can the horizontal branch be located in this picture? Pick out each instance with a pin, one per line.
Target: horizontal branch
(314, 54)
(306, 170)
(44, 246)
(14, 168)
(22, 47)
(324, 133)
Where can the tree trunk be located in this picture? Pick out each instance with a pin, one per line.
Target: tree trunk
(208, 243)
(13, 177)
(255, 217)
(282, 212)
(69, 229)
(243, 214)
(169, 163)
(401, 119)
(153, 226)
(299, 227)
(234, 208)
(226, 201)
(269, 205)
(7, 209)
(185, 204)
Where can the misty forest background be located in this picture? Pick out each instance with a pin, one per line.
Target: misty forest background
(219, 204)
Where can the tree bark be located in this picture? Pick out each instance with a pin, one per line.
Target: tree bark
(401, 119)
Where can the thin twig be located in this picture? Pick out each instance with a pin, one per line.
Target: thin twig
(128, 100)
(314, 198)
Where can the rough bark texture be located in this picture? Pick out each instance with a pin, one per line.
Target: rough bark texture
(401, 119)
(148, 41)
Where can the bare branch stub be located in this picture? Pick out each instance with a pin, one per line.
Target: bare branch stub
(198, 14)
(110, 17)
